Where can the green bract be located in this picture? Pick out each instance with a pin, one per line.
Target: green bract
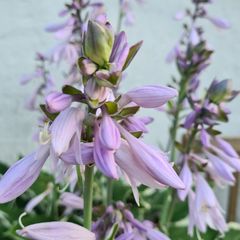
(98, 43)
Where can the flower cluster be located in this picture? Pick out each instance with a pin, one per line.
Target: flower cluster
(88, 125)
(204, 156)
(117, 216)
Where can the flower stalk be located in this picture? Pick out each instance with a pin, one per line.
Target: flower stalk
(88, 196)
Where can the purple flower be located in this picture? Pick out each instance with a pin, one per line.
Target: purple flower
(194, 36)
(226, 147)
(219, 22)
(104, 158)
(63, 128)
(38, 199)
(205, 138)
(150, 96)
(109, 135)
(20, 176)
(220, 170)
(152, 161)
(205, 209)
(57, 102)
(56, 230)
(119, 52)
(71, 200)
(186, 176)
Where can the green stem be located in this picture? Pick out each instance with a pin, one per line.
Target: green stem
(88, 196)
(109, 191)
(80, 180)
(54, 202)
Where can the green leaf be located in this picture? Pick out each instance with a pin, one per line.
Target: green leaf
(111, 107)
(51, 116)
(137, 134)
(132, 52)
(70, 90)
(128, 111)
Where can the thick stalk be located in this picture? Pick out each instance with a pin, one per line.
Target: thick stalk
(88, 197)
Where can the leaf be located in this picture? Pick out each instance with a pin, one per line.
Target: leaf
(128, 111)
(137, 134)
(132, 52)
(67, 89)
(111, 107)
(51, 116)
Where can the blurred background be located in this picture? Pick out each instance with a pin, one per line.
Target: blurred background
(22, 33)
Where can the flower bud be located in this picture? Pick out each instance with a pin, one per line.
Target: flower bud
(86, 66)
(219, 91)
(98, 43)
(57, 102)
(96, 94)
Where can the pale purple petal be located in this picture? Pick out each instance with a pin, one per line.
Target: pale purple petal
(205, 138)
(109, 135)
(22, 174)
(71, 200)
(153, 234)
(86, 154)
(104, 158)
(222, 169)
(131, 166)
(194, 37)
(219, 22)
(226, 147)
(186, 176)
(154, 161)
(64, 127)
(56, 230)
(57, 102)
(38, 199)
(150, 96)
(232, 161)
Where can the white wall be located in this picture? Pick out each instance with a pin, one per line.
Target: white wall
(21, 34)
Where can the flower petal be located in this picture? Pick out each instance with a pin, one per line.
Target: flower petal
(22, 174)
(56, 230)
(64, 127)
(149, 96)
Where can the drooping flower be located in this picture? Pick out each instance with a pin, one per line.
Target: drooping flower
(56, 230)
(150, 96)
(57, 102)
(20, 176)
(205, 209)
(186, 176)
(63, 128)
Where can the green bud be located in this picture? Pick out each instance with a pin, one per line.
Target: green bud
(98, 43)
(220, 91)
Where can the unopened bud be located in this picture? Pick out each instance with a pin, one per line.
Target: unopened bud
(98, 43)
(57, 102)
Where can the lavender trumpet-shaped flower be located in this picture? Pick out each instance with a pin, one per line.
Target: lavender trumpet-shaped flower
(151, 96)
(57, 102)
(22, 174)
(205, 209)
(56, 230)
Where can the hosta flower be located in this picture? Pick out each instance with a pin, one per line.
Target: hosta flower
(20, 176)
(150, 96)
(57, 102)
(205, 209)
(186, 176)
(56, 230)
